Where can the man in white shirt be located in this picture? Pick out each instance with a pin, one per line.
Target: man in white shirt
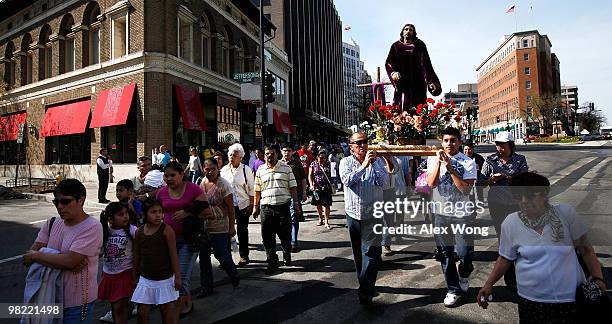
(103, 170)
(452, 174)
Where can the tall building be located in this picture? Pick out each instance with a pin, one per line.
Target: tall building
(466, 92)
(519, 69)
(569, 98)
(311, 33)
(353, 74)
(125, 75)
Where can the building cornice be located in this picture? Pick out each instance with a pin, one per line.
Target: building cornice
(133, 63)
(506, 42)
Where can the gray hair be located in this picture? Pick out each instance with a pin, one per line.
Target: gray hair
(235, 148)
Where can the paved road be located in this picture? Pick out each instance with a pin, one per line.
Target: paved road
(320, 286)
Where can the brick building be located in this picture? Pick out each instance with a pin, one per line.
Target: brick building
(82, 75)
(519, 69)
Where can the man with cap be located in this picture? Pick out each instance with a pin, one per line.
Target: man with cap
(497, 170)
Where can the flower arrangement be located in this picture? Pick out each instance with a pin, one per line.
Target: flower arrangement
(392, 125)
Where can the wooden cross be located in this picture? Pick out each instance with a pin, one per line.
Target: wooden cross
(377, 94)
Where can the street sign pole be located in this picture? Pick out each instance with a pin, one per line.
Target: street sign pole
(262, 70)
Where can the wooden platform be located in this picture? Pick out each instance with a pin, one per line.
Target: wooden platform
(401, 150)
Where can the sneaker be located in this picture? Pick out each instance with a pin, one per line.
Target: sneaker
(464, 283)
(135, 311)
(451, 299)
(271, 269)
(387, 250)
(287, 259)
(107, 318)
(295, 249)
(243, 262)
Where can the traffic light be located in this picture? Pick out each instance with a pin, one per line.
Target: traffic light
(497, 119)
(269, 88)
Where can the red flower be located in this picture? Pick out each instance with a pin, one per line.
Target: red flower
(419, 110)
(377, 102)
(388, 115)
(457, 118)
(429, 100)
(439, 105)
(425, 122)
(452, 103)
(459, 113)
(371, 109)
(446, 117)
(445, 105)
(435, 112)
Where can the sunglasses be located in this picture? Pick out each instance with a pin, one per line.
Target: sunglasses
(360, 142)
(528, 195)
(63, 201)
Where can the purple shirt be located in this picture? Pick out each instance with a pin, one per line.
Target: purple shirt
(171, 205)
(257, 164)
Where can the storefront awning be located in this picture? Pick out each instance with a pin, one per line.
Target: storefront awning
(282, 122)
(66, 119)
(9, 126)
(191, 108)
(112, 106)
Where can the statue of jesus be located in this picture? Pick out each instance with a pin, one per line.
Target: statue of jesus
(410, 70)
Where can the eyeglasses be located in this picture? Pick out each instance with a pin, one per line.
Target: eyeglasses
(360, 142)
(529, 195)
(63, 201)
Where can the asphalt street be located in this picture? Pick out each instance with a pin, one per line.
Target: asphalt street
(320, 286)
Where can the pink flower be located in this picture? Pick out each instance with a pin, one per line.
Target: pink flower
(409, 119)
(397, 128)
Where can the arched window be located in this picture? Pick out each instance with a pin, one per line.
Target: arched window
(45, 53)
(225, 53)
(67, 45)
(205, 31)
(26, 60)
(243, 52)
(91, 50)
(9, 65)
(185, 20)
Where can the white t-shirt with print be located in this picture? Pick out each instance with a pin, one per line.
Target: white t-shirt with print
(450, 201)
(118, 252)
(546, 271)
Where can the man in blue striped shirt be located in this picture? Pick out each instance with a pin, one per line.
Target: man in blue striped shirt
(364, 177)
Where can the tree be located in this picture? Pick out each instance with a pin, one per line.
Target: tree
(591, 120)
(543, 110)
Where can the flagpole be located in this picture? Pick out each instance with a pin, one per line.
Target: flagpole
(515, 22)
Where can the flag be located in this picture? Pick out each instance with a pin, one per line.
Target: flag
(511, 9)
(347, 28)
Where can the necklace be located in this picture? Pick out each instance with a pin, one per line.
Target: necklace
(84, 291)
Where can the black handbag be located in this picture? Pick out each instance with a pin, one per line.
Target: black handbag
(592, 303)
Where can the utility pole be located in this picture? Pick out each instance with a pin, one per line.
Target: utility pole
(262, 72)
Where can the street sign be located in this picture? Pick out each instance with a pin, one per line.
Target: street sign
(246, 77)
(20, 134)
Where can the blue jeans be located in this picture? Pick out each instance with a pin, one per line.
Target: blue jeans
(73, 314)
(367, 252)
(448, 244)
(194, 175)
(295, 220)
(187, 256)
(218, 243)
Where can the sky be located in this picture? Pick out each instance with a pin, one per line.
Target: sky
(461, 34)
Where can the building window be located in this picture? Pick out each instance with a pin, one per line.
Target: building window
(119, 36)
(28, 74)
(69, 59)
(525, 42)
(94, 46)
(205, 51)
(185, 38)
(528, 84)
(528, 71)
(526, 57)
(48, 59)
(68, 149)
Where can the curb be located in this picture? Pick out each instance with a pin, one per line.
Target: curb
(49, 199)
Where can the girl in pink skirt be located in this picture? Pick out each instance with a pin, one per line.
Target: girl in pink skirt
(117, 283)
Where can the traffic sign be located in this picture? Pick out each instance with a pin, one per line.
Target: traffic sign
(20, 134)
(246, 77)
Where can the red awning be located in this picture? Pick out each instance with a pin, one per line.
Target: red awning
(9, 126)
(282, 122)
(191, 108)
(67, 119)
(112, 106)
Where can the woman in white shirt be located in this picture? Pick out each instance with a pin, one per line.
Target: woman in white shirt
(194, 166)
(542, 241)
(241, 178)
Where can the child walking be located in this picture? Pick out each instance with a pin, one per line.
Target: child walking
(117, 283)
(156, 264)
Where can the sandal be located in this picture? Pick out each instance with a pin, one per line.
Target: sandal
(327, 226)
(320, 223)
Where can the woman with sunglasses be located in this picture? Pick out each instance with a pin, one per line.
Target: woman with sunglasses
(320, 184)
(542, 241)
(497, 171)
